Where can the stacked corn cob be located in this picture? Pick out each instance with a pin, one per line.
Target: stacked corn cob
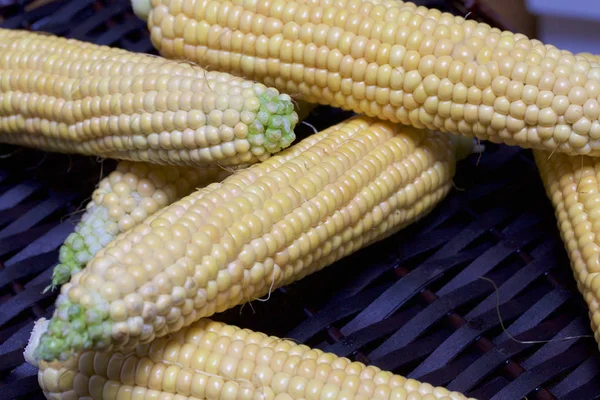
(396, 61)
(291, 214)
(263, 227)
(387, 176)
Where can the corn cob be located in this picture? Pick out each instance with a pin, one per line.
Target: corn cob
(396, 61)
(68, 96)
(133, 191)
(573, 186)
(263, 227)
(214, 361)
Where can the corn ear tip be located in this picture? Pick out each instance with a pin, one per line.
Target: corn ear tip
(275, 122)
(39, 328)
(68, 263)
(73, 321)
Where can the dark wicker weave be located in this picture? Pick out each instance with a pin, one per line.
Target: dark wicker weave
(422, 303)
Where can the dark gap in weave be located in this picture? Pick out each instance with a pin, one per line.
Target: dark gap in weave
(489, 388)
(589, 391)
(101, 22)
(9, 330)
(584, 373)
(508, 317)
(543, 373)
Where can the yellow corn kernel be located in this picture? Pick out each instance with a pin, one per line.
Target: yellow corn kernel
(208, 360)
(68, 96)
(264, 227)
(396, 61)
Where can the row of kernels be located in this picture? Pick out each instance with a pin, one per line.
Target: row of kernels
(55, 137)
(98, 128)
(363, 237)
(482, 78)
(287, 234)
(165, 375)
(578, 95)
(180, 110)
(59, 62)
(370, 228)
(171, 22)
(313, 248)
(581, 127)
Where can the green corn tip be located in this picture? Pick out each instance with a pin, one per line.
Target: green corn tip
(73, 329)
(92, 233)
(273, 128)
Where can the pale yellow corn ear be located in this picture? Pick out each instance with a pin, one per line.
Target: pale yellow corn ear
(68, 96)
(211, 360)
(396, 61)
(264, 227)
(123, 199)
(572, 184)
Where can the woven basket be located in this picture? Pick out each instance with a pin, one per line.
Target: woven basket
(478, 296)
